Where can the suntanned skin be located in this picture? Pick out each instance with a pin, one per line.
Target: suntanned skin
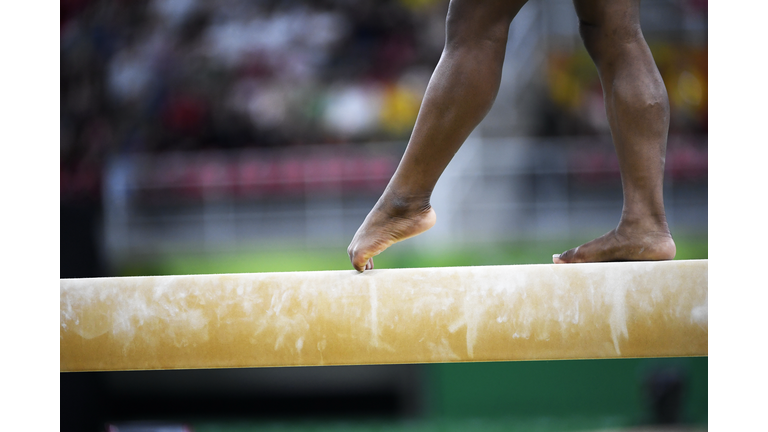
(461, 92)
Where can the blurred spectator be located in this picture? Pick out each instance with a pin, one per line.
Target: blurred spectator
(665, 392)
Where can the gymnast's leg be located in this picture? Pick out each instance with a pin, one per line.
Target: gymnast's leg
(459, 95)
(638, 114)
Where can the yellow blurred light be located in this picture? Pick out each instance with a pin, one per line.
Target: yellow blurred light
(689, 88)
(399, 110)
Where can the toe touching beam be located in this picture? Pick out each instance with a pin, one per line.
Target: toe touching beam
(424, 315)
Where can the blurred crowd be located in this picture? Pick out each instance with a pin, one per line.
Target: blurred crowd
(186, 74)
(164, 75)
(176, 75)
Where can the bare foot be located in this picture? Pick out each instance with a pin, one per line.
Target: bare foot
(623, 244)
(387, 224)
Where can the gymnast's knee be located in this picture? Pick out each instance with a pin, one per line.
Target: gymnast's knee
(604, 40)
(471, 22)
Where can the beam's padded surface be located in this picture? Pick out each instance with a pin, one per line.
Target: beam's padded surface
(521, 312)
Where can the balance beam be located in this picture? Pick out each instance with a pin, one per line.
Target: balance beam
(422, 315)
